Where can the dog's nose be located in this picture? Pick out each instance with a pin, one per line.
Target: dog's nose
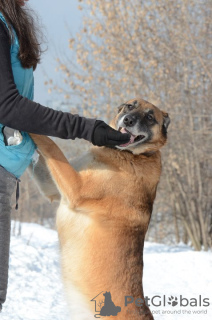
(129, 120)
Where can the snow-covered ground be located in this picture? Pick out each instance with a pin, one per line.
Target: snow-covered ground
(35, 290)
(178, 271)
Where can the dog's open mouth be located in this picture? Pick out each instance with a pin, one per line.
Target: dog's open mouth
(133, 138)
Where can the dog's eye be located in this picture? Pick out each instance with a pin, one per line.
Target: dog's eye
(130, 107)
(150, 117)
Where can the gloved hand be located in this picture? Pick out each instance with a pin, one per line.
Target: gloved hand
(104, 135)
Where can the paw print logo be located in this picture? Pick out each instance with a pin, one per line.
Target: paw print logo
(173, 301)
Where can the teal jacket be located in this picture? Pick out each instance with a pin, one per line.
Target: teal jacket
(16, 159)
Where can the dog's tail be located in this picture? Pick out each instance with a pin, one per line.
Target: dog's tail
(66, 178)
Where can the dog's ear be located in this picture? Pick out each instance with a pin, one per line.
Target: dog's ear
(166, 120)
(121, 107)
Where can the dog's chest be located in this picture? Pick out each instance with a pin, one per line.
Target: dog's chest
(71, 224)
(73, 228)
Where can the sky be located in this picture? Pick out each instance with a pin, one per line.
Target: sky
(58, 19)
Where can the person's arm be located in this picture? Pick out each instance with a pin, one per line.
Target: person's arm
(23, 114)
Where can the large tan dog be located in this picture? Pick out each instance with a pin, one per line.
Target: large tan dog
(106, 203)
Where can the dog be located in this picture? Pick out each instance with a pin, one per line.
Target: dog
(106, 199)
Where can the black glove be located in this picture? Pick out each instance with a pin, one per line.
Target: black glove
(104, 135)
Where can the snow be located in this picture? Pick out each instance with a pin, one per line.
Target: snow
(178, 270)
(35, 289)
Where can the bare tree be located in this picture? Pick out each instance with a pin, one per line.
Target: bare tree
(160, 50)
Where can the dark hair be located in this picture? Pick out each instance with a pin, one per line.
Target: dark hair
(23, 22)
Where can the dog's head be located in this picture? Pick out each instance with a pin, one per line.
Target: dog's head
(146, 124)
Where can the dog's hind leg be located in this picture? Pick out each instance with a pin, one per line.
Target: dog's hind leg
(67, 180)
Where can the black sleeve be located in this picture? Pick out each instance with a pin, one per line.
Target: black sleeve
(23, 114)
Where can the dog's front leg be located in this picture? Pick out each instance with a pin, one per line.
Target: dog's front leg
(67, 180)
(41, 175)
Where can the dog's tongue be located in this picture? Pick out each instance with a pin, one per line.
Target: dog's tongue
(132, 137)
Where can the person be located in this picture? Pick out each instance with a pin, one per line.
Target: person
(19, 55)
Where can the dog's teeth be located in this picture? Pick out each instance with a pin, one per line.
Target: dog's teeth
(123, 130)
